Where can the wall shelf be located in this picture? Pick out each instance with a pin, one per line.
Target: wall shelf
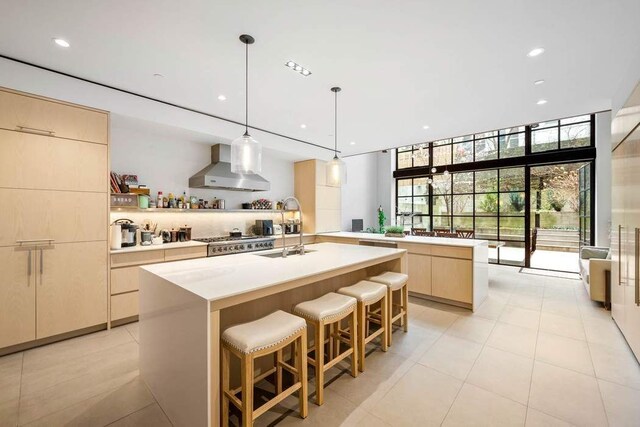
(176, 210)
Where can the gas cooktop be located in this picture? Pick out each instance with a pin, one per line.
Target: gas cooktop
(226, 245)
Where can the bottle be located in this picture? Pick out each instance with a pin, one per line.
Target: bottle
(172, 201)
(159, 202)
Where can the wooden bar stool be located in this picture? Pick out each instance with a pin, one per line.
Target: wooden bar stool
(330, 310)
(368, 293)
(248, 341)
(395, 282)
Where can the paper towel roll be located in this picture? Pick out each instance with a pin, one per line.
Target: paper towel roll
(116, 236)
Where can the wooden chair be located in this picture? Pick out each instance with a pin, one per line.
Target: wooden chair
(422, 232)
(367, 294)
(330, 310)
(442, 231)
(465, 233)
(249, 341)
(395, 282)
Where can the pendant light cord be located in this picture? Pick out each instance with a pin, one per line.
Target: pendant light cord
(335, 150)
(246, 90)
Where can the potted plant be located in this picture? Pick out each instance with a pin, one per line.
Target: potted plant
(381, 219)
(394, 231)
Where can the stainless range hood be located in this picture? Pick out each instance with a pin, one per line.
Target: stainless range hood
(218, 174)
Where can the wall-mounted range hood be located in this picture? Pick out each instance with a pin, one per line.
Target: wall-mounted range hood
(218, 174)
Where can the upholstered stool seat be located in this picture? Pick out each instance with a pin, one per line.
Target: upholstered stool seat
(368, 293)
(263, 333)
(330, 310)
(249, 341)
(395, 282)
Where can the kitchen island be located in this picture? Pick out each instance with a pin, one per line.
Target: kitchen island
(185, 306)
(448, 270)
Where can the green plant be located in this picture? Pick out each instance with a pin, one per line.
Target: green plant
(381, 219)
(489, 203)
(556, 201)
(395, 229)
(517, 202)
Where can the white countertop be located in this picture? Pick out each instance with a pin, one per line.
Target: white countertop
(217, 278)
(447, 241)
(175, 245)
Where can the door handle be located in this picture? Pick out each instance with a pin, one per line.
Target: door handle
(620, 227)
(29, 264)
(35, 241)
(637, 267)
(41, 261)
(27, 129)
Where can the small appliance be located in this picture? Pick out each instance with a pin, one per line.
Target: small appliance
(264, 227)
(129, 230)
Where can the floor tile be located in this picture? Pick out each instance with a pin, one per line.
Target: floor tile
(435, 320)
(370, 420)
(474, 329)
(604, 332)
(621, 403)
(520, 317)
(421, 397)
(491, 308)
(512, 338)
(9, 412)
(616, 365)
(10, 376)
(532, 302)
(567, 395)
(565, 307)
(570, 327)
(477, 407)
(564, 352)
(503, 373)
(539, 419)
(451, 355)
(134, 330)
(150, 416)
(414, 343)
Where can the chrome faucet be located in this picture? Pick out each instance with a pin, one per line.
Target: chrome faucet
(300, 246)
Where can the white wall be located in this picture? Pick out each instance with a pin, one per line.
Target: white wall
(603, 179)
(164, 162)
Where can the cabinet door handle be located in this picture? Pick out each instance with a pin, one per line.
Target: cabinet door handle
(620, 227)
(35, 241)
(41, 261)
(637, 267)
(29, 263)
(27, 129)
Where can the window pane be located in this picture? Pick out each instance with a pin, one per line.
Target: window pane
(577, 119)
(421, 222)
(512, 145)
(441, 205)
(463, 205)
(544, 140)
(543, 125)
(407, 148)
(441, 184)
(420, 187)
(442, 155)
(404, 204)
(463, 182)
(463, 152)
(421, 205)
(462, 223)
(511, 228)
(512, 179)
(404, 187)
(486, 181)
(512, 204)
(441, 222)
(463, 138)
(486, 228)
(487, 204)
(486, 149)
(491, 134)
(575, 136)
(511, 130)
(442, 142)
(404, 160)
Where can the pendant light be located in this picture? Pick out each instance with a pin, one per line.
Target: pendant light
(246, 152)
(336, 168)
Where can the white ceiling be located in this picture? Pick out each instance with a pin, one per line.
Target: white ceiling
(457, 66)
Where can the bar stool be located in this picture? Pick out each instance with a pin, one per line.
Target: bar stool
(395, 282)
(330, 310)
(368, 293)
(248, 341)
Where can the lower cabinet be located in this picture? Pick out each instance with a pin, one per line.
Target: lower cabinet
(124, 305)
(17, 296)
(453, 279)
(419, 273)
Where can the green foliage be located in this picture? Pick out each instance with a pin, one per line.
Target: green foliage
(395, 229)
(381, 219)
(489, 203)
(517, 202)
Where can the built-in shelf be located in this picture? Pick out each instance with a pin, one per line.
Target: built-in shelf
(175, 210)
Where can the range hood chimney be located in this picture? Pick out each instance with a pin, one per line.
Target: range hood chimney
(218, 174)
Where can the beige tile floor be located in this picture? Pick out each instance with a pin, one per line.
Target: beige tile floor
(536, 353)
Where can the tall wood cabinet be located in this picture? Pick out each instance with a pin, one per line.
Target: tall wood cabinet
(625, 286)
(54, 165)
(321, 204)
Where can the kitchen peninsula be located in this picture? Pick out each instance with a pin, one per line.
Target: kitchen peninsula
(449, 270)
(185, 306)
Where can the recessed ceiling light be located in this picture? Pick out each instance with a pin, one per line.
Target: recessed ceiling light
(222, 98)
(61, 42)
(297, 67)
(538, 82)
(425, 127)
(535, 52)
(291, 64)
(542, 102)
(303, 126)
(352, 143)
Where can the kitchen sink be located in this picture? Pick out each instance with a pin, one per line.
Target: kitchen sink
(279, 253)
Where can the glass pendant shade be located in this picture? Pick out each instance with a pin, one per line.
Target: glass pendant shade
(336, 172)
(246, 155)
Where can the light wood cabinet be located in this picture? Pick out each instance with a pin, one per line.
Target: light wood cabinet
(124, 306)
(321, 204)
(72, 287)
(17, 296)
(178, 254)
(65, 216)
(452, 279)
(420, 273)
(32, 114)
(38, 162)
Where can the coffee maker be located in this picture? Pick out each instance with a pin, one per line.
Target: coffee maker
(264, 227)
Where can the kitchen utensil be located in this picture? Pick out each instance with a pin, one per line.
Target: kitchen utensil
(174, 235)
(265, 227)
(187, 232)
(235, 233)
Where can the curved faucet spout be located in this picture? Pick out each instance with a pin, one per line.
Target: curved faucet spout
(298, 208)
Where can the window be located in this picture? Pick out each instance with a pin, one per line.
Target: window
(561, 134)
(412, 207)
